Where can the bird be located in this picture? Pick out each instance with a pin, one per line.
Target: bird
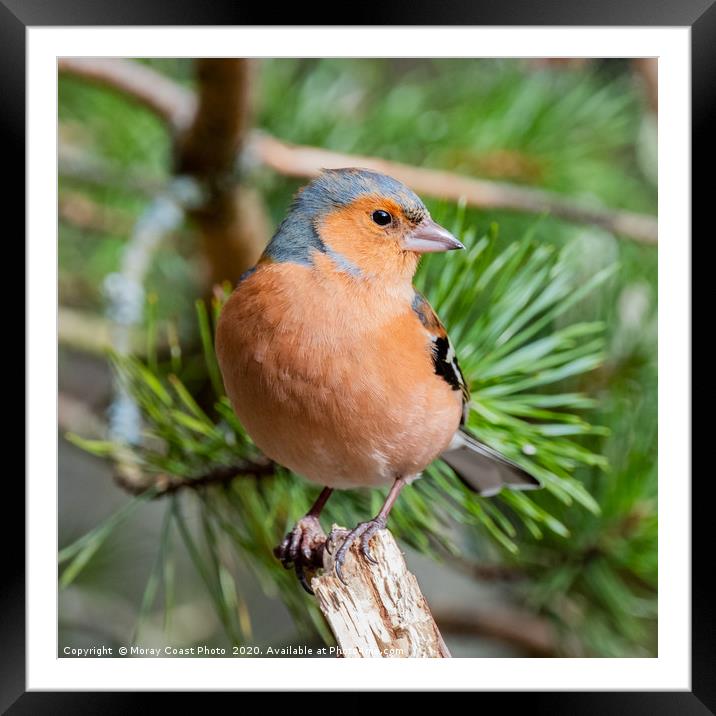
(339, 369)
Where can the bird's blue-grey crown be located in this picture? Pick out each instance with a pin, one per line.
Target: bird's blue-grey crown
(297, 236)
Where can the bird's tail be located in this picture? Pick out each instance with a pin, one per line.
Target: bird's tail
(483, 469)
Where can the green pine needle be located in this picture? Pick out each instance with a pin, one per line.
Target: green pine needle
(501, 307)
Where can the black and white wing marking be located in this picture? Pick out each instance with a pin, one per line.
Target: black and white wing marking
(444, 358)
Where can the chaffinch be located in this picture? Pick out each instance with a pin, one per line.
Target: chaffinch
(338, 368)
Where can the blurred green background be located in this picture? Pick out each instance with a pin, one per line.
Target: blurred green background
(585, 130)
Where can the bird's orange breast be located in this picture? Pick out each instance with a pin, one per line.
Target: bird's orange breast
(332, 376)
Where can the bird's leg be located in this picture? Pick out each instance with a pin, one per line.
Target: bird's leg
(365, 530)
(302, 547)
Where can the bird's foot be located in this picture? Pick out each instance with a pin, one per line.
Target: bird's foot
(302, 548)
(364, 531)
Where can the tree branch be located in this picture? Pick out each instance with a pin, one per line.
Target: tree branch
(485, 571)
(380, 611)
(166, 98)
(130, 478)
(209, 132)
(232, 223)
(523, 630)
(88, 332)
(172, 104)
(75, 416)
(298, 161)
(648, 69)
(210, 145)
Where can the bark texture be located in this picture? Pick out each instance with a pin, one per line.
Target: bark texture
(380, 612)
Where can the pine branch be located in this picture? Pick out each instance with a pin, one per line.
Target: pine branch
(133, 481)
(86, 331)
(169, 100)
(297, 161)
(512, 323)
(516, 627)
(232, 220)
(173, 103)
(74, 416)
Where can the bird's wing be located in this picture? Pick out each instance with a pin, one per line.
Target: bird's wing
(483, 469)
(443, 354)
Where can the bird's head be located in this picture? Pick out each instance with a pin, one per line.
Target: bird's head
(363, 222)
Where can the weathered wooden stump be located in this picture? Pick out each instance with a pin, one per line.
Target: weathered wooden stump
(380, 612)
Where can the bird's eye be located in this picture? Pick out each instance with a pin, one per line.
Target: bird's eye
(382, 218)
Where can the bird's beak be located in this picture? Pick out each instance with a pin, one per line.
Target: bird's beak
(429, 237)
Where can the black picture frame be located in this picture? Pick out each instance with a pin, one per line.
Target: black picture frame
(699, 15)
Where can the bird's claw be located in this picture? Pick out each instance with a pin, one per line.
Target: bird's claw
(365, 549)
(364, 531)
(302, 548)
